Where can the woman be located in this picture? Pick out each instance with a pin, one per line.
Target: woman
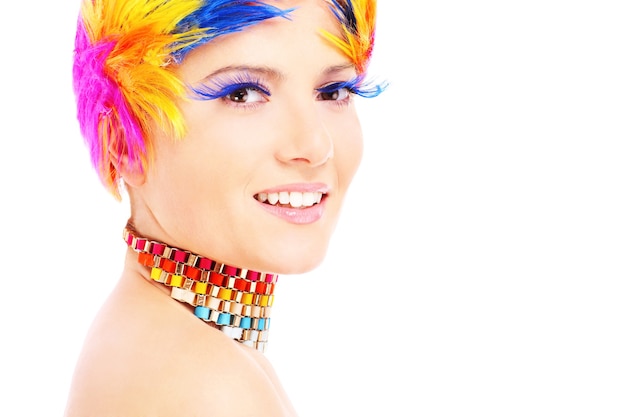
(232, 128)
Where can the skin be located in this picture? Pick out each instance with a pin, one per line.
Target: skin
(146, 354)
(232, 152)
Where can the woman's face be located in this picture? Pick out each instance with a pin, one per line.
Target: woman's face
(267, 133)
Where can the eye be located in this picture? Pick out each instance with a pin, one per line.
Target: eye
(343, 91)
(339, 94)
(246, 95)
(241, 90)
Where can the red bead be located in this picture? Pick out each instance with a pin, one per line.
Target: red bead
(179, 255)
(146, 259)
(261, 287)
(158, 248)
(168, 266)
(241, 284)
(205, 263)
(229, 270)
(216, 279)
(141, 243)
(193, 273)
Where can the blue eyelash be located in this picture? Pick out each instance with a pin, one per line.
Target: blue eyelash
(222, 87)
(355, 86)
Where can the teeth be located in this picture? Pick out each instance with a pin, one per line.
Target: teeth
(283, 197)
(308, 199)
(294, 199)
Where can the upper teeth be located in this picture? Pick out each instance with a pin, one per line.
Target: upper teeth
(294, 199)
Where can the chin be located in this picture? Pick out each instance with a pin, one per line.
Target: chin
(295, 260)
(299, 268)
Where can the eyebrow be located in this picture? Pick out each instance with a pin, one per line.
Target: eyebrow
(273, 73)
(338, 68)
(261, 70)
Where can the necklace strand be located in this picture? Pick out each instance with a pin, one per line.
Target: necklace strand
(239, 301)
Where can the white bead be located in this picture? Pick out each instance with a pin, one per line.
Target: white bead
(232, 332)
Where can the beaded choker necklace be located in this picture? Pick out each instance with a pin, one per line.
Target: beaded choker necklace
(238, 301)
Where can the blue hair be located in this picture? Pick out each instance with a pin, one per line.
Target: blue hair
(221, 17)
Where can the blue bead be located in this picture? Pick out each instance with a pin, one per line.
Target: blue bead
(224, 319)
(202, 312)
(261, 325)
(245, 322)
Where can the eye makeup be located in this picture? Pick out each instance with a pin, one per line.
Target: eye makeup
(228, 85)
(247, 88)
(355, 86)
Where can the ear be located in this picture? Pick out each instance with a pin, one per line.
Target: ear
(133, 174)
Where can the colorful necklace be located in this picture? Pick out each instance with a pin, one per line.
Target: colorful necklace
(238, 301)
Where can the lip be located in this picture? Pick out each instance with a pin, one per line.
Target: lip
(303, 215)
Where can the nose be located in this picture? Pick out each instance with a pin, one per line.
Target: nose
(305, 139)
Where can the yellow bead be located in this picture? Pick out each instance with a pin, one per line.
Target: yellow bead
(155, 274)
(247, 298)
(176, 281)
(200, 288)
(225, 293)
(264, 301)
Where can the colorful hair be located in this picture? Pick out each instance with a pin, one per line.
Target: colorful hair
(358, 21)
(125, 86)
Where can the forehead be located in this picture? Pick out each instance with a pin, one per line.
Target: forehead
(299, 36)
(311, 15)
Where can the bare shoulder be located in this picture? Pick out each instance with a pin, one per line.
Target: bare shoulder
(152, 357)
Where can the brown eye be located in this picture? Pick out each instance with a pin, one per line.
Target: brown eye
(246, 95)
(335, 95)
(239, 96)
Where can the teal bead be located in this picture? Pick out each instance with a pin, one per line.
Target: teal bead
(202, 312)
(224, 319)
(245, 323)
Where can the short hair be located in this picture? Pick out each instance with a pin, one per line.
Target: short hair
(124, 82)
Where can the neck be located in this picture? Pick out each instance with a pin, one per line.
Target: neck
(235, 300)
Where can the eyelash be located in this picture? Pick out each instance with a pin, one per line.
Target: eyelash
(354, 86)
(222, 88)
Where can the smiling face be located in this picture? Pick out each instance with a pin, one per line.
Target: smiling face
(273, 141)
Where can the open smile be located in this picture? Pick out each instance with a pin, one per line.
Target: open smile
(291, 199)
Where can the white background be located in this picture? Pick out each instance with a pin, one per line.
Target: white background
(479, 265)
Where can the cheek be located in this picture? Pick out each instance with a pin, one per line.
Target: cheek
(181, 170)
(223, 134)
(349, 150)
